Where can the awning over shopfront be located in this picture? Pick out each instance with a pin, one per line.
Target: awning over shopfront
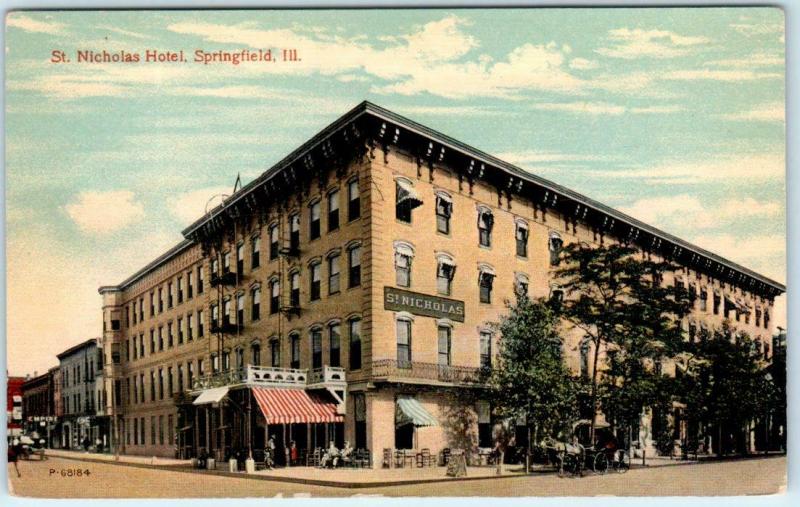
(214, 395)
(295, 406)
(410, 411)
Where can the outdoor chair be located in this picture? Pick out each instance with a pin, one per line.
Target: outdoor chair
(387, 458)
(314, 457)
(424, 458)
(259, 458)
(363, 459)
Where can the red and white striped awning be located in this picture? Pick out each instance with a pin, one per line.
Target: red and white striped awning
(291, 406)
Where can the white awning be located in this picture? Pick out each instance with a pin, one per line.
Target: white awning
(403, 249)
(214, 395)
(406, 192)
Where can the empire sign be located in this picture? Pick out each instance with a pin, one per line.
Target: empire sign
(399, 300)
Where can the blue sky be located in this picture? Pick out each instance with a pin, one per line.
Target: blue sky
(675, 116)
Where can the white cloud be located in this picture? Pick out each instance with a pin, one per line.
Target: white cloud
(686, 211)
(190, 206)
(23, 22)
(105, 212)
(734, 167)
(772, 112)
(718, 75)
(759, 59)
(135, 35)
(228, 92)
(672, 108)
(582, 64)
(534, 156)
(593, 108)
(750, 29)
(637, 43)
(764, 253)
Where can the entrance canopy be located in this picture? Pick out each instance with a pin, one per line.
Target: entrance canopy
(214, 395)
(410, 411)
(293, 406)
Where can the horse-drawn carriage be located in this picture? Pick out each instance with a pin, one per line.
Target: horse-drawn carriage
(572, 458)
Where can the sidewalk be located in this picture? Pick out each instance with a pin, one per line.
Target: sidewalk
(123, 458)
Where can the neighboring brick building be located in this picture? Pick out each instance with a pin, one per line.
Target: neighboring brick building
(347, 292)
(38, 407)
(14, 406)
(83, 397)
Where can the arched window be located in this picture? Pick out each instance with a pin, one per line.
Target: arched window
(555, 245)
(335, 343)
(445, 332)
(485, 225)
(314, 212)
(521, 283)
(445, 272)
(294, 288)
(316, 347)
(274, 243)
(403, 255)
(274, 295)
(294, 341)
(275, 352)
(444, 210)
(294, 233)
(354, 265)
(255, 353)
(406, 199)
(485, 282)
(255, 302)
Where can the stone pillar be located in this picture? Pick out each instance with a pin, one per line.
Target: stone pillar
(646, 443)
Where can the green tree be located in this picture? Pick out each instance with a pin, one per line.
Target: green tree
(725, 384)
(530, 380)
(615, 296)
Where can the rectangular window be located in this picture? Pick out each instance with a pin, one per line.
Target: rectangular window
(255, 309)
(200, 365)
(240, 309)
(189, 375)
(704, 300)
(354, 261)
(135, 313)
(189, 327)
(255, 354)
(214, 317)
(180, 378)
(239, 359)
(180, 331)
(485, 224)
(294, 233)
(717, 302)
(169, 295)
(555, 245)
(200, 324)
(180, 289)
(294, 294)
(160, 300)
(274, 296)
(406, 199)
(169, 335)
(403, 343)
(295, 342)
(486, 349)
(240, 259)
(152, 341)
(444, 346)
(189, 285)
(273, 242)
(152, 385)
(402, 267)
(170, 429)
(141, 344)
(226, 263)
(255, 252)
(141, 309)
(135, 431)
(170, 385)
(227, 318)
(275, 353)
(152, 305)
(355, 344)
(333, 274)
(141, 428)
(316, 348)
(335, 335)
(486, 280)
(314, 220)
(200, 279)
(444, 276)
(160, 383)
(161, 429)
(353, 201)
(333, 210)
(521, 237)
(316, 281)
(444, 209)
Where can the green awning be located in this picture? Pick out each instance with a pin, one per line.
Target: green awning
(409, 411)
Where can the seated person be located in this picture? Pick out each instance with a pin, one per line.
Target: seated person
(331, 453)
(574, 447)
(345, 456)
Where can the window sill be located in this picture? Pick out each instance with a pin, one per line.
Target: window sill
(401, 222)
(484, 247)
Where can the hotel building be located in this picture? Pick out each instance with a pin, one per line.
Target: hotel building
(347, 294)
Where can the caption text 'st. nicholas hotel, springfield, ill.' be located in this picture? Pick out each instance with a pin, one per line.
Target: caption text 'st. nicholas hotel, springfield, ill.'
(346, 294)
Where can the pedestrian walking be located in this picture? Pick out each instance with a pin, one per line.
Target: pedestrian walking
(13, 455)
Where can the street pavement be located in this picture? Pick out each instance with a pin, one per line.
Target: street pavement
(59, 478)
